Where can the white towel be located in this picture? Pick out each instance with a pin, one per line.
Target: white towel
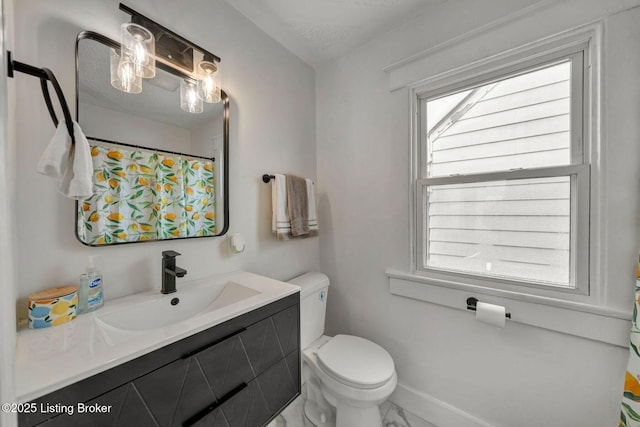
(55, 158)
(280, 222)
(71, 166)
(77, 182)
(313, 219)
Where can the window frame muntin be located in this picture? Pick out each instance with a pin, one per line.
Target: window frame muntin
(578, 170)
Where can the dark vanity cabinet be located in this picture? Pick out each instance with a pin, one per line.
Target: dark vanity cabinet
(240, 373)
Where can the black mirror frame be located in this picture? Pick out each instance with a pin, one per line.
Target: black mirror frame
(91, 35)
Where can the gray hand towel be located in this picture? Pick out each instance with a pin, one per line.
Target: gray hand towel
(298, 202)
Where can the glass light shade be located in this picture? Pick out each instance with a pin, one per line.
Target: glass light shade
(139, 45)
(123, 75)
(209, 75)
(191, 96)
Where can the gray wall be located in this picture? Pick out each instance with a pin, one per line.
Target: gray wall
(461, 371)
(7, 222)
(272, 130)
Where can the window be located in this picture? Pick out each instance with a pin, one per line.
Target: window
(503, 181)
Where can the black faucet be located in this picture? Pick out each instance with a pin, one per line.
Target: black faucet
(170, 271)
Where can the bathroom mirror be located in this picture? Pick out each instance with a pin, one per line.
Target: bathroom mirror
(159, 172)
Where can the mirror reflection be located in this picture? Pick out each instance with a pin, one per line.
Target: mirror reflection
(158, 170)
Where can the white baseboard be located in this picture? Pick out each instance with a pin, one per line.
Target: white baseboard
(434, 410)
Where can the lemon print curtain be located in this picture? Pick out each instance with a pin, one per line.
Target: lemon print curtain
(630, 413)
(140, 196)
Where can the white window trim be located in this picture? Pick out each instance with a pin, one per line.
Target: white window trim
(601, 323)
(578, 53)
(511, 64)
(595, 322)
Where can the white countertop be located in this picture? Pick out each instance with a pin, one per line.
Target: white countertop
(51, 358)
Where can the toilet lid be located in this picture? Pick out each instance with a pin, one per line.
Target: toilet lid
(356, 361)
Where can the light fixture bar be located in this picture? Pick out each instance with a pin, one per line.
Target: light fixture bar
(162, 33)
(117, 46)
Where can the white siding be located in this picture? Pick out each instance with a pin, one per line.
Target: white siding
(524, 120)
(513, 229)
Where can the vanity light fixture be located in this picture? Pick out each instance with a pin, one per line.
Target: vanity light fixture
(145, 44)
(191, 96)
(209, 74)
(135, 60)
(139, 46)
(123, 73)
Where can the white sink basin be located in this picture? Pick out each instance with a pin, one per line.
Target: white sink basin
(164, 310)
(129, 327)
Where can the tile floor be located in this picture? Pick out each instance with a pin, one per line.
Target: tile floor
(395, 416)
(392, 416)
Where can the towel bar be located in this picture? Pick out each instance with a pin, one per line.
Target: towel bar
(266, 178)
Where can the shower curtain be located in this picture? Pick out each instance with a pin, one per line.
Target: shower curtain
(142, 195)
(630, 411)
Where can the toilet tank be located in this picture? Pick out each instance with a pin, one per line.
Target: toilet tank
(313, 306)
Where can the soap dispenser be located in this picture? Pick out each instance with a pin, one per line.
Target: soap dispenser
(90, 290)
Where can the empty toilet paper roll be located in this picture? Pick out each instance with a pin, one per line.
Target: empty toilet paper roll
(491, 314)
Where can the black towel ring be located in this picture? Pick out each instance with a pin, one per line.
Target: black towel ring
(63, 102)
(45, 74)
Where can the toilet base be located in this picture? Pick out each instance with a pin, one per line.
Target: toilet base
(342, 416)
(317, 416)
(316, 409)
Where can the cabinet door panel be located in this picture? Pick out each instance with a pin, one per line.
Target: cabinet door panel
(226, 366)
(278, 385)
(134, 412)
(261, 343)
(125, 408)
(247, 408)
(293, 363)
(286, 324)
(161, 390)
(196, 394)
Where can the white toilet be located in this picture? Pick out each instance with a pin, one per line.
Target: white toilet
(345, 377)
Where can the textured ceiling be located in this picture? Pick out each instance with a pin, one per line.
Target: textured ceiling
(317, 30)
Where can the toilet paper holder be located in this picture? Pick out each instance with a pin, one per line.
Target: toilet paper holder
(472, 303)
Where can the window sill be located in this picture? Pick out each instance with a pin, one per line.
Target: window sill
(583, 320)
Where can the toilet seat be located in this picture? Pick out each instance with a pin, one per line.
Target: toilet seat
(356, 362)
